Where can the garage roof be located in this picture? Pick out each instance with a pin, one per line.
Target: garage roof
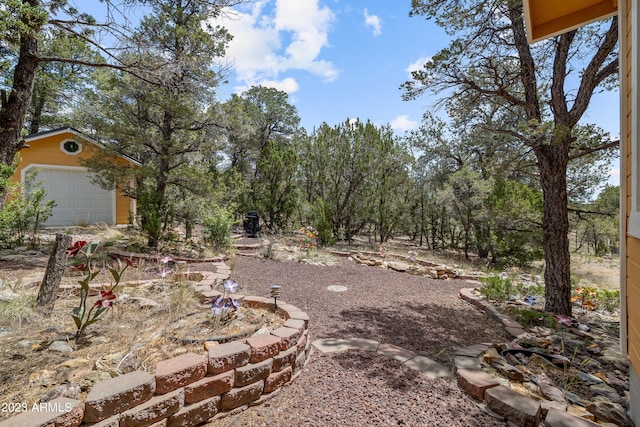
(69, 129)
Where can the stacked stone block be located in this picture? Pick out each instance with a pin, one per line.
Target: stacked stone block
(190, 389)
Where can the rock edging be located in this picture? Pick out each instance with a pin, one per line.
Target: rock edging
(500, 400)
(190, 389)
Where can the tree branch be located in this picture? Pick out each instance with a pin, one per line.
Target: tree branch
(582, 153)
(594, 73)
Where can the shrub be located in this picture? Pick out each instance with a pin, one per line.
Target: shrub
(24, 212)
(586, 296)
(609, 300)
(496, 288)
(322, 219)
(529, 290)
(529, 317)
(218, 228)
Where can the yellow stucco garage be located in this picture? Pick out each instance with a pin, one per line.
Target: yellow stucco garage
(58, 155)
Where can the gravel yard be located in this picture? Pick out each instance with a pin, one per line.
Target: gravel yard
(365, 389)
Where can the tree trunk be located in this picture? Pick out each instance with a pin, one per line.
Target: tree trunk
(53, 274)
(552, 164)
(12, 113)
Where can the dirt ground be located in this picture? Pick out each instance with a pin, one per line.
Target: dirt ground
(134, 334)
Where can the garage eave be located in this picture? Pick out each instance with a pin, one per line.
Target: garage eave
(548, 18)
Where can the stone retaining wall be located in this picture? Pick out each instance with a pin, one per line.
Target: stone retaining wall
(190, 389)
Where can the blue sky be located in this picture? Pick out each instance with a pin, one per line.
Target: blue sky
(335, 59)
(342, 59)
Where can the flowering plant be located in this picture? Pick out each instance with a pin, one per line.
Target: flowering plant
(310, 238)
(587, 297)
(164, 268)
(224, 306)
(82, 316)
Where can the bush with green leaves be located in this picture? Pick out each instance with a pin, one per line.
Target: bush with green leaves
(218, 225)
(529, 290)
(530, 317)
(322, 218)
(609, 300)
(496, 288)
(6, 171)
(24, 212)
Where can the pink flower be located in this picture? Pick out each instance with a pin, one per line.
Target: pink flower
(77, 246)
(563, 320)
(107, 299)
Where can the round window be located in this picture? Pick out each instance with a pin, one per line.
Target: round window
(71, 147)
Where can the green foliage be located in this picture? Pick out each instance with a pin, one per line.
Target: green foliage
(530, 290)
(218, 225)
(512, 122)
(609, 300)
(466, 193)
(359, 171)
(275, 192)
(496, 288)
(321, 217)
(6, 171)
(309, 239)
(590, 298)
(516, 209)
(597, 227)
(21, 18)
(529, 317)
(24, 212)
(256, 118)
(151, 209)
(56, 83)
(165, 127)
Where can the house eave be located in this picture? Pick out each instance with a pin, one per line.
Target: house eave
(549, 18)
(68, 129)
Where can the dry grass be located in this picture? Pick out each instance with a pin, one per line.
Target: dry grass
(135, 335)
(596, 272)
(20, 311)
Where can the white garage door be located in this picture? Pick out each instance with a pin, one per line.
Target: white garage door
(78, 201)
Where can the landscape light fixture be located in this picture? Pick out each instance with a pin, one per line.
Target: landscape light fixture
(275, 294)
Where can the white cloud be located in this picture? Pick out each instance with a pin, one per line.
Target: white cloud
(374, 22)
(614, 176)
(418, 64)
(272, 37)
(288, 85)
(403, 123)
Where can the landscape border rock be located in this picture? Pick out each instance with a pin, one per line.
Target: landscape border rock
(518, 409)
(191, 389)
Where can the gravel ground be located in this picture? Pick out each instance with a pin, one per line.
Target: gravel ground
(364, 389)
